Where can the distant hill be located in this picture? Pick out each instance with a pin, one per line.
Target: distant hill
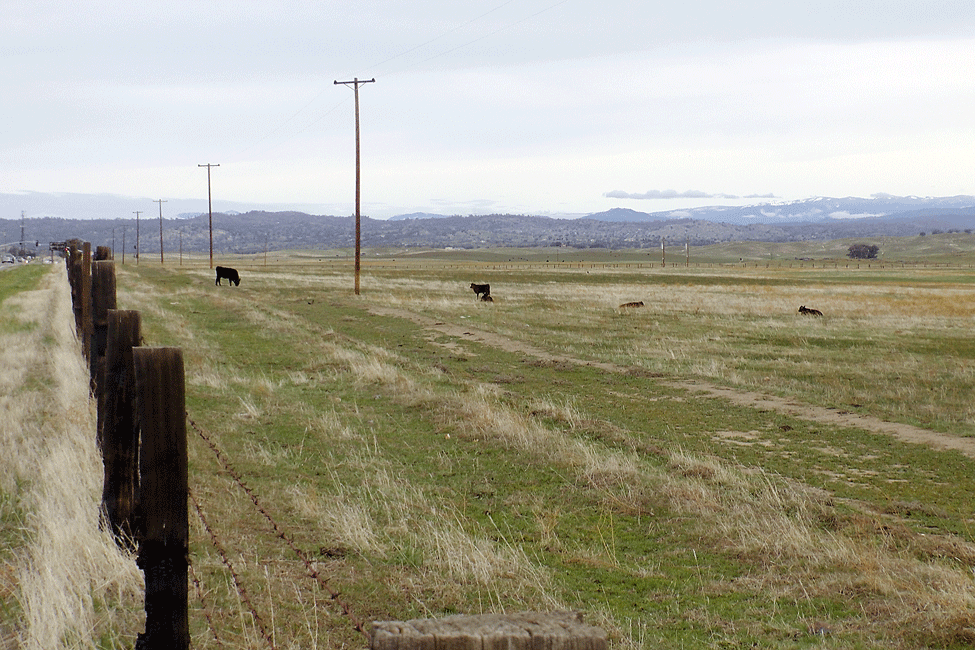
(807, 210)
(628, 215)
(255, 231)
(418, 215)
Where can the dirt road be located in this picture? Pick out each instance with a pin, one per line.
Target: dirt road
(786, 406)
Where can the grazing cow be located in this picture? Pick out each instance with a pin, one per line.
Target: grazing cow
(228, 273)
(809, 312)
(626, 305)
(487, 298)
(481, 289)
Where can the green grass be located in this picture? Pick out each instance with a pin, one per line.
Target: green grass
(429, 474)
(12, 282)
(20, 278)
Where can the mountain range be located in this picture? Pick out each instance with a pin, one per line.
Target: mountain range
(257, 230)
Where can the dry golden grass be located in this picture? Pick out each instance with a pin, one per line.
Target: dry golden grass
(75, 588)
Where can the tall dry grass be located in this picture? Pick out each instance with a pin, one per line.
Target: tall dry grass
(74, 587)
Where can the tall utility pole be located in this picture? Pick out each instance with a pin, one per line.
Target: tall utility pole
(161, 258)
(137, 213)
(355, 83)
(210, 201)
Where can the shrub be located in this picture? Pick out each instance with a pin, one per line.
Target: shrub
(863, 251)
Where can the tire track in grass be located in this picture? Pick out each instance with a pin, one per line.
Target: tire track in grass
(751, 399)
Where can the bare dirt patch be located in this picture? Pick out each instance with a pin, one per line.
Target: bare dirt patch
(751, 399)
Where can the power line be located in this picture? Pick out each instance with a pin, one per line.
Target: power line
(137, 213)
(210, 203)
(355, 85)
(437, 38)
(161, 258)
(408, 67)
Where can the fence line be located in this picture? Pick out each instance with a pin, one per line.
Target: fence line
(335, 596)
(245, 597)
(142, 418)
(140, 393)
(207, 611)
(141, 430)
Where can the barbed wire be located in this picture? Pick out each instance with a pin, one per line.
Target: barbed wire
(279, 532)
(203, 603)
(241, 589)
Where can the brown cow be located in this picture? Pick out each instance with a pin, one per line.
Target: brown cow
(626, 305)
(481, 289)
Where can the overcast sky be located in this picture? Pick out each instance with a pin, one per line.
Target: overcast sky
(524, 106)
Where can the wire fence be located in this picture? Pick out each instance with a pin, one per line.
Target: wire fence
(279, 533)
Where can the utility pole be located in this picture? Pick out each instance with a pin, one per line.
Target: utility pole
(355, 86)
(123, 245)
(663, 252)
(21, 252)
(161, 258)
(210, 201)
(137, 213)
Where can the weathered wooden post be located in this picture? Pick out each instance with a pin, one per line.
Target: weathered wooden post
(118, 431)
(74, 279)
(164, 535)
(102, 299)
(86, 324)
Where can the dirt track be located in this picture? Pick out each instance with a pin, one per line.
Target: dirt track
(793, 408)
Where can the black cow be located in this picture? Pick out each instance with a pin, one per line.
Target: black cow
(809, 312)
(627, 305)
(228, 273)
(481, 290)
(487, 298)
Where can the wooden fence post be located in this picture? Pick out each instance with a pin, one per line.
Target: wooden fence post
(102, 299)
(118, 432)
(86, 325)
(160, 386)
(74, 279)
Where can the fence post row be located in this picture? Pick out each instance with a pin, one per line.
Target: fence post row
(141, 430)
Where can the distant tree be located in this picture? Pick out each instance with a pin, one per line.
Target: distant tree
(863, 251)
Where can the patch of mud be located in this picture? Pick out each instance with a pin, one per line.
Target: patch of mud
(451, 346)
(750, 399)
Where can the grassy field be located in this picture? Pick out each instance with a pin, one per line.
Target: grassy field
(430, 454)
(709, 471)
